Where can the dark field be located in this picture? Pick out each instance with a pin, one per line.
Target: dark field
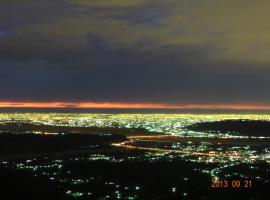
(32, 144)
(240, 127)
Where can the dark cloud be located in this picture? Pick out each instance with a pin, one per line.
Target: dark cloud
(137, 51)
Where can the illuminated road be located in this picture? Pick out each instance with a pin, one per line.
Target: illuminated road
(221, 150)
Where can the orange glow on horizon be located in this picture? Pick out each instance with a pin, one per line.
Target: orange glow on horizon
(130, 105)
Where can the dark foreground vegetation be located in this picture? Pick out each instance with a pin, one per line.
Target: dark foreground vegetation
(16, 185)
(157, 180)
(241, 127)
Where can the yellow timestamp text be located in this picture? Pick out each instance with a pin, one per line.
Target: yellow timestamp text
(232, 184)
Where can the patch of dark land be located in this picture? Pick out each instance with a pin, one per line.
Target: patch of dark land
(41, 128)
(21, 144)
(238, 127)
(19, 139)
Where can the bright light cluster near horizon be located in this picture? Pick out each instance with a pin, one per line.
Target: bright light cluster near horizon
(157, 123)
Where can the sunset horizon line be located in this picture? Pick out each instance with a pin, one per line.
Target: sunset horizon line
(118, 105)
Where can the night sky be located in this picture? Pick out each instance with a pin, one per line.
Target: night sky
(153, 52)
